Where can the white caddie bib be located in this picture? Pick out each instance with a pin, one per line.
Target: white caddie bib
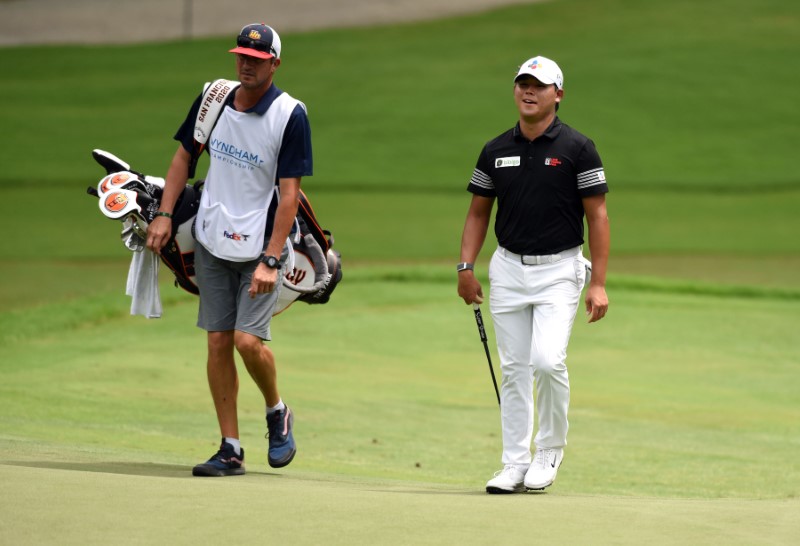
(241, 179)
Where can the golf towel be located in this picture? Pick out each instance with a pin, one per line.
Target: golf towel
(142, 284)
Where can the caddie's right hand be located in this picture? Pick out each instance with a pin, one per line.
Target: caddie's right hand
(469, 289)
(158, 233)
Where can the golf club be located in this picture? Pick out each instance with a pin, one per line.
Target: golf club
(479, 319)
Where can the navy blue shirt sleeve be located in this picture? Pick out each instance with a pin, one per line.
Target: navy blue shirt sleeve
(295, 159)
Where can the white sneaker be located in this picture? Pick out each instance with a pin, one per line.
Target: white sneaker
(544, 468)
(508, 480)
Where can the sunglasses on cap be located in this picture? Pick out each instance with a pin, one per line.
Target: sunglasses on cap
(258, 45)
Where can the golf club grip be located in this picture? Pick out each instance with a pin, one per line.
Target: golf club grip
(479, 321)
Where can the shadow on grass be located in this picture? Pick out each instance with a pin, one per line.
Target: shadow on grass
(132, 469)
(479, 492)
(128, 468)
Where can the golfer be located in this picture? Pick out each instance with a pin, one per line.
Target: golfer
(259, 150)
(545, 177)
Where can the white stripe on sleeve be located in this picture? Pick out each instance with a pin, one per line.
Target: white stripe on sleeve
(482, 180)
(591, 178)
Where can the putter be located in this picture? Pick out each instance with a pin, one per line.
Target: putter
(482, 331)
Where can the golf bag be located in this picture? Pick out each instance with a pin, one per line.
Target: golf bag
(133, 198)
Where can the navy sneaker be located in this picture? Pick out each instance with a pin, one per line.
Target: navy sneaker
(224, 463)
(281, 442)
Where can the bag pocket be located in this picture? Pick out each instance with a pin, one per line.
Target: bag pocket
(234, 238)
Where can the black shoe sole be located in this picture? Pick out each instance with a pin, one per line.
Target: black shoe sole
(498, 491)
(211, 472)
(283, 462)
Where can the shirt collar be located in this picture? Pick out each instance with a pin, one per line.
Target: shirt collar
(263, 103)
(551, 132)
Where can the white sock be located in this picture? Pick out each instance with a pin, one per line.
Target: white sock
(278, 407)
(237, 447)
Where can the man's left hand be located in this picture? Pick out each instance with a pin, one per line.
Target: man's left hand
(264, 280)
(596, 302)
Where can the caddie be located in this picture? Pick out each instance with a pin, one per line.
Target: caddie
(260, 149)
(546, 177)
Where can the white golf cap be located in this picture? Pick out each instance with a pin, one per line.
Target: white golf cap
(543, 69)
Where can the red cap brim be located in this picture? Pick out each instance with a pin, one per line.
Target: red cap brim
(251, 52)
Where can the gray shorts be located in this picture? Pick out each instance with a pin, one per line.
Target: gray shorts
(225, 303)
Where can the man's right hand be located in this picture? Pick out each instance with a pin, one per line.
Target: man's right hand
(469, 289)
(158, 233)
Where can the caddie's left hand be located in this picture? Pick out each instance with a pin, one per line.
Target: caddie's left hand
(158, 233)
(596, 302)
(264, 280)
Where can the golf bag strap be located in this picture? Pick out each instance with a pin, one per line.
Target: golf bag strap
(304, 211)
(215, 94)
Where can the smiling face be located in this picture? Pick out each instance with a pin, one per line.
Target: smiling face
(535, 100)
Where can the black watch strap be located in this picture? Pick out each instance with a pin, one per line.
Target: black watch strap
(463, 266)
(270, 261)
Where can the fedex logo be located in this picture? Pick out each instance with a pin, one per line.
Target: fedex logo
(235, 236)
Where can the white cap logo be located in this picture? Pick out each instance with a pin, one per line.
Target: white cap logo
(543, 69)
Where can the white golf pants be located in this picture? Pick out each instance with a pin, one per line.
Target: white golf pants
(533, 308)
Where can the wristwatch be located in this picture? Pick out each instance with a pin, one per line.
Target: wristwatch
(270, 261)
(463, 266)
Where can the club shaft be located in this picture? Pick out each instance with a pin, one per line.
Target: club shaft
(484, 340)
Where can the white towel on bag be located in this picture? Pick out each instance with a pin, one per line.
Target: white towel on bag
(142, 285)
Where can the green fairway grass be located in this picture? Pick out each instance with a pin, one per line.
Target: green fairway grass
(685, 413)
(312, 509)
(677, 397)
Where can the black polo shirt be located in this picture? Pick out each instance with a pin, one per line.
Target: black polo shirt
(539, 186)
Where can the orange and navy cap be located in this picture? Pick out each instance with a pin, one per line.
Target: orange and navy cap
(258, 40)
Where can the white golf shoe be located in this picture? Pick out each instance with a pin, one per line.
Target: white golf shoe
(543, 469)
(508, 480)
